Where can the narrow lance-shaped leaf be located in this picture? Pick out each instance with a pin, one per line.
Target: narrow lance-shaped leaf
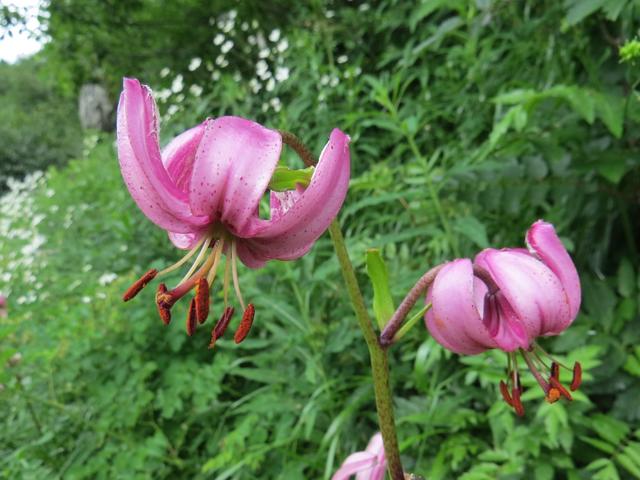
(383, 306)
(284, 178)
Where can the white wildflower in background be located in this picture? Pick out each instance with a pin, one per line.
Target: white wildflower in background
(107, 278)
(276, 104)
(255, 85)
(342, 59)
(274, 36)
(282, 74)
(262, 69)
(271, 84)
(195, 63)
(218, 39)
(178, 84)
(226, 46)
(195, 90)
(172, 110)
(164, 72)
(283, 45)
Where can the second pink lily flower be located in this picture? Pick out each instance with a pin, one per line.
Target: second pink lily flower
(205, 186)
(525, 294)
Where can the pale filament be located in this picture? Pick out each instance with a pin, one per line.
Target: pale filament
(198, 260)
(183, 260)
(225, 287)
(218, 253)
(234, 271)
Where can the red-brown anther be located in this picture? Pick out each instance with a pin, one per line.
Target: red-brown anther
(221, 325)
(139, 284)
(555, 370)
(552, 395)
(517, 403)
(191, 317)
(563, 391)
(577, 377)
(504, 390)
(245, 324)
(202, 300)
(163, 304)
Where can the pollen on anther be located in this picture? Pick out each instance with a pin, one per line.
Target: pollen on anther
(164, 309)
(561, 390)
(555, 370)
(577, 377)
(139, 284)
(245, 324)
(191, 318)
(202, 300)
(553, 395)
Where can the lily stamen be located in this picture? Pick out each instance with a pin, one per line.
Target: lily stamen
(234, 271)
(191, 318)
(245, 324)
(139, 284)
(202, 300)
(214, 268)
(576, 380)
(184, 259)
(198, 259)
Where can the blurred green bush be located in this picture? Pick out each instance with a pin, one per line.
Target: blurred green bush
(38, 125)
(469, 120)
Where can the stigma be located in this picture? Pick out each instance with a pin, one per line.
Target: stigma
(200, 279)
(545, 369)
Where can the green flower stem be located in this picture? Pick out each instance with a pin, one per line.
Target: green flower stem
(378, 355)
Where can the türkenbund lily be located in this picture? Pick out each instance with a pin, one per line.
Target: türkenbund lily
(3, 306)
(522, 295)
(368, 465)
(204, 189)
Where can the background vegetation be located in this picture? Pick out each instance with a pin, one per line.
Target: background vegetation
(469, 120)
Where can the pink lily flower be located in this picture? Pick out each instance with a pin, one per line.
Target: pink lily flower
(3, 306)
(368, 465)
(204, 189)
(522, 295)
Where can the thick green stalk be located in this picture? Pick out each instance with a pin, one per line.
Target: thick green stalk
(378, 355)
(379, 360)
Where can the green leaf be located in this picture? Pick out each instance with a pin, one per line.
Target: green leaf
(626, 278)
(580, 9)
(610, 109)
(285, 178)
(473, 229)
(383, 306)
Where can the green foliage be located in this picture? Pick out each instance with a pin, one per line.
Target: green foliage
(469, 120)
(38, 127)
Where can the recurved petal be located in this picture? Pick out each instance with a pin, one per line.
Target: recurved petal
(234, 163)
(377, 472)
(140, 163)
(186, 241)
(291, 232)
(179, 154)
(531, 289)
(545, 244)
(453, 319)
(503, 325)
(355, 463)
